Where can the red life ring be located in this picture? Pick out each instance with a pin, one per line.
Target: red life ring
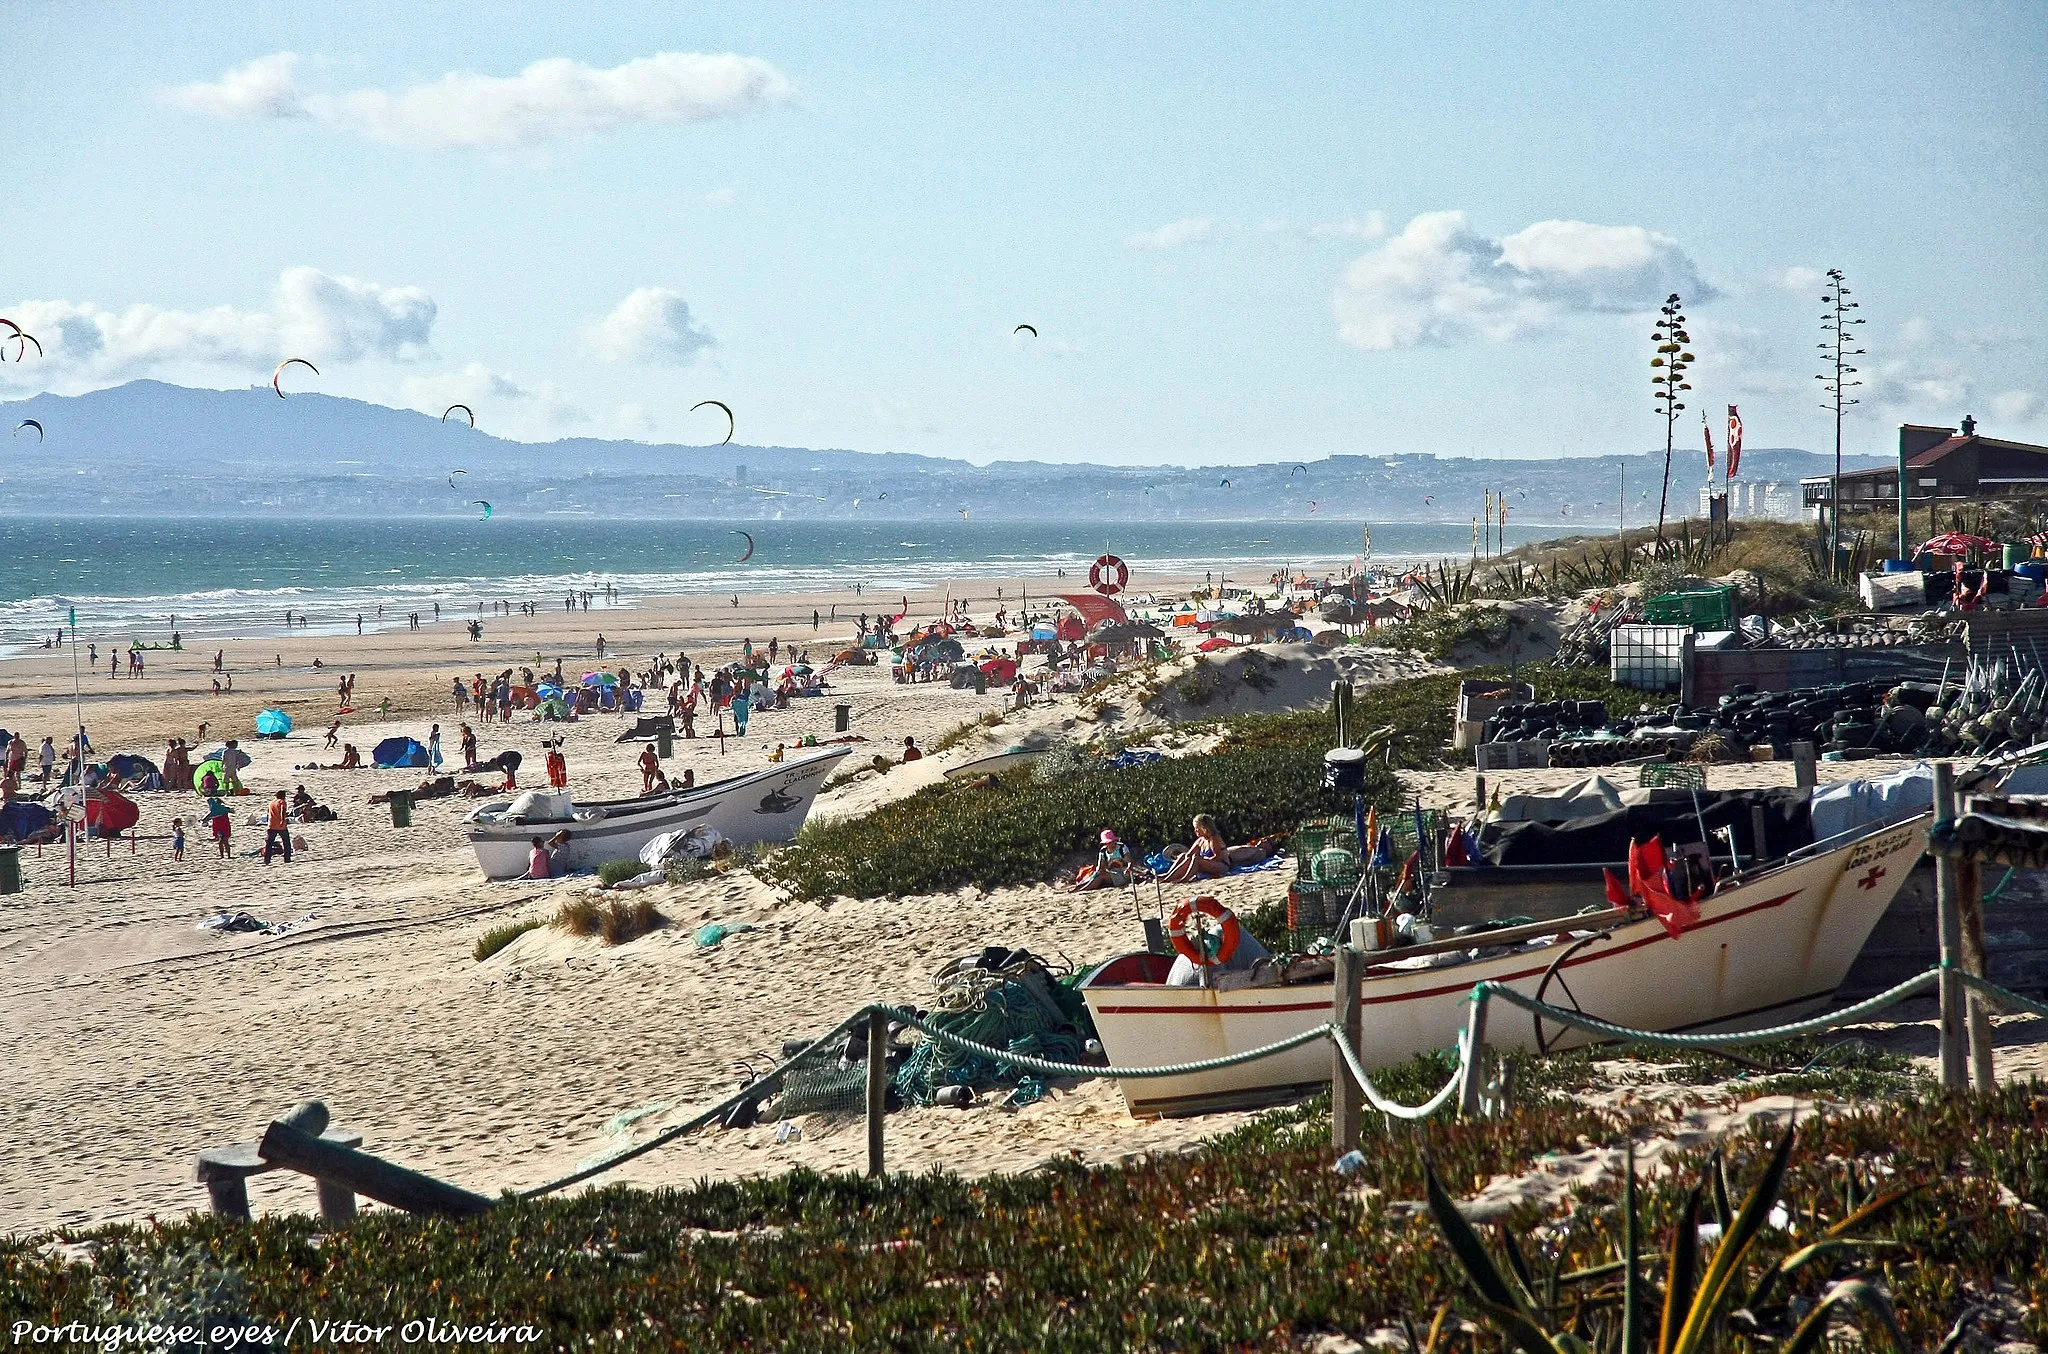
(1108, 575)
(1205, 931)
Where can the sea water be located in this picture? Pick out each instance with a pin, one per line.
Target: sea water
(229, 576)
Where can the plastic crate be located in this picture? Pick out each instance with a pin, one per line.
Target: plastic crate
(1702, 608)
(1648, 657)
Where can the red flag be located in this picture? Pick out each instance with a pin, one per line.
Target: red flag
(1734, 442)
(1708, 433)
(1617, 892)
(1646, 877)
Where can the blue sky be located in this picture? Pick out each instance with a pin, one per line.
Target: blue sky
(1243, 232)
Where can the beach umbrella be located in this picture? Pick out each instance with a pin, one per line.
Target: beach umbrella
(1213, 643)
(600, 679)
(109, 813)
(273, 723)
(1956, 543)
(548, 691)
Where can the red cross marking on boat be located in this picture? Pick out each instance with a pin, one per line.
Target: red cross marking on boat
(1869, 881)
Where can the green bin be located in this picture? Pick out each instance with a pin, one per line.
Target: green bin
(2017, 554)
(842, 718)
(664, 742)
(10, 869)
(1702, 609)
(401, 808)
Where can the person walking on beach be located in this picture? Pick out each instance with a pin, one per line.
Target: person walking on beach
(222, 824)
(461, 695)
(558, 767)
(359, 622)
(277, 829)
(333, 735)
(177, 839)
(434, 747)
(650, 762)
(600, 646)
(467, 742)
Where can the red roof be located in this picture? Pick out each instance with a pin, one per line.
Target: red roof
(1938, 451)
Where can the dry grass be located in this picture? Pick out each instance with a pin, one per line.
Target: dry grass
(616, 921)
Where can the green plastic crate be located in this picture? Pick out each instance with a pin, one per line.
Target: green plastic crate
(1702, 609)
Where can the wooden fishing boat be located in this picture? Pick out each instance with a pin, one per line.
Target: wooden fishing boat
(1771, 945)
(994, 763)
(768, 805)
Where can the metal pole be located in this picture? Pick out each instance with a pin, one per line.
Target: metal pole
(1954, 1071)
(1475, 1053)
(1971, 928)
(878, 1087)
(1346, 1096)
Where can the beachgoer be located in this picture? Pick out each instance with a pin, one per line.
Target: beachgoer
(467, 742)
(333, 735)
(558, 767)
(277, 831)
(1209, 857)
(434, 747)
(461, 694)
(177, 839)
(600, 641)
(650, 764)
(910, 751)
(220, 822)
(776, 755)
(1112, 867)
(559, 866)
(537, 861)
(351, 760)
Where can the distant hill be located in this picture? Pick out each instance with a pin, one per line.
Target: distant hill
(152, 448)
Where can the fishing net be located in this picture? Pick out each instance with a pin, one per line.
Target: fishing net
(1011, 1004)
(824, 1081)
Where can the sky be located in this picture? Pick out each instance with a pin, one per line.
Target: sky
(1242, 232)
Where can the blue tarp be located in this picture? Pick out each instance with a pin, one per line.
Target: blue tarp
(399, 752)
(24, 820)
(272, 724)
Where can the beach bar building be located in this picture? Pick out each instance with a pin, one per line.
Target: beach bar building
(1938, 465)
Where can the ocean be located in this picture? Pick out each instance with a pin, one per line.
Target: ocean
(236, 576)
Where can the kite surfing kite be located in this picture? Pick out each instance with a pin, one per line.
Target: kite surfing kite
(1311, 505)
(10, 324)
(1022, 328)
(26, 339)
(451, 478)
(1428, 499)
(467, 412)
(1224, 485)
(29, 423)
(731, 424)
(289, 361)
(963, 514)
(485, 506)
(1301, 468)
(750, 548)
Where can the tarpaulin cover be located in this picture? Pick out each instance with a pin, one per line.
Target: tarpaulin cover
(399, 752)
(24, 821)
(1603, 839)
(1852, 803)
(108, 812)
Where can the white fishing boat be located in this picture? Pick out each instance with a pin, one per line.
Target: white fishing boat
(1770, 946)
(995, 762)
(768, 805)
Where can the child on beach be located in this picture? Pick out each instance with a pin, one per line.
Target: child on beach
(177, 839)
(221, 823)
(558, 767)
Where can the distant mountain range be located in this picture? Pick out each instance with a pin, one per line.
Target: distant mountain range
(147, 448)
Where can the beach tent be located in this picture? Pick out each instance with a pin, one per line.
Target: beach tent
(109, 813)
(130, 767)
(1000, 671)
(210, 767)
(24, 821)
(554, 708)
(399, 751)
(272, 723)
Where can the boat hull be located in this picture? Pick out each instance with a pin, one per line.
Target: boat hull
(1770, 949)
(763, 806)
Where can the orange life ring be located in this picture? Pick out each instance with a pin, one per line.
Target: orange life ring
(1108, 575)
(1205, 931)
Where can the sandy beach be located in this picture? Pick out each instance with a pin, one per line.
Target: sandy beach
(134, 1040)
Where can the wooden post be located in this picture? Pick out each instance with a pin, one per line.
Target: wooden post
(229, 1197)
(878, 1087)
(1805, 775)
(1478, 800)
(364, 1174)
(1971, 934)
(1954, 1072)
(1688, 681)
(1758, 847)
(337, 1202)
(1475, 1055)
(1346, 1013)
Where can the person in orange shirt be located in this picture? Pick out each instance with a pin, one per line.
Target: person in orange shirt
(558, 768)
(277, 829)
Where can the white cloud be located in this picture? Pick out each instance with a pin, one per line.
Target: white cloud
(1172, 235)
(653, 324)
(1916, 386)
(2016, 406)
(550, 99)
(502, 406)
(313, 315)
(1802, 281)
(1369, 228)
(1439, 282)
(722, 197)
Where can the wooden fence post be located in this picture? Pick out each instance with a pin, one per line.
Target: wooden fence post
(1805, 774)
(1954, 1071)
(1346, 1013)
(878, 1087)
(1970, 932)
(1475, 1054)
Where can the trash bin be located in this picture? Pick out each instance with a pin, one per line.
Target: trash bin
(2015, 554)
(10, 869)
(980, 682)
(842, 718)
(401, 808)
(664, 743)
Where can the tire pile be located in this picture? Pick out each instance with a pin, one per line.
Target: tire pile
(1855, 719)
(1868, 632)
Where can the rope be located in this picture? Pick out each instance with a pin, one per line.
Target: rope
(1592, 1025)
(1389, 1107)
(2000, 994)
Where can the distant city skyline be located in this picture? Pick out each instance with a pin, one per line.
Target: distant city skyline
(1240, 233)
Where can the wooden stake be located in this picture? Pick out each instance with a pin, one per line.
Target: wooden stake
(1971, 877)
(1954, 1072)
(878, 1087)
(1346, 1013)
